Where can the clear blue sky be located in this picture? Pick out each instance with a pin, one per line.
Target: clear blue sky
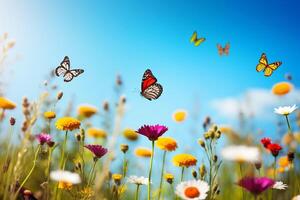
(127, 37)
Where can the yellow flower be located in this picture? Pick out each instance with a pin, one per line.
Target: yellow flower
(166, 143)
(49, 115)
(143, 152)
(282, 88)
(280, 170)
(65, 185)
(67, 124)
(117, 177)
(87, 110)
(6, 104)
(97, 133)
(179, 115)
(283, 161)
(87, 192)
(184, 160)
(130, 134)
(169, 178)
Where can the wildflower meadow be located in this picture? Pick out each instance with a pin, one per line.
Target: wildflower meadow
(142, 100)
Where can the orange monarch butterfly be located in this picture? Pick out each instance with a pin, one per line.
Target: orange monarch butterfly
(224, 50)
(64, 69)
(195, 40)
(263, 65)
(150, 89)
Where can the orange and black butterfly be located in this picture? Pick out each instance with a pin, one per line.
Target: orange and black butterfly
(224, 50)
(150, 89)
(263, 65)
(65, 70)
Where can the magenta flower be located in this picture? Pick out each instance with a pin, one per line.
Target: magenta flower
(152, 132)
(43, 138)
(256, 185)
(97, 150)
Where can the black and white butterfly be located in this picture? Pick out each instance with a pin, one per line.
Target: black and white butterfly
(64, 69)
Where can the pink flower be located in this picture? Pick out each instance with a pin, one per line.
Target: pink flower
(43, 138)
(256, 185)
(152, 132)
(97, 150)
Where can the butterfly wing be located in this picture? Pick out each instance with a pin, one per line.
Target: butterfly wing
(199, 41)
(76, 72)
(194, 37)
(226, 49)
(148, 80)
(63, 67)
(68, 76)
(270, 68)
(263, 63)
(220, 49)
(153, 91)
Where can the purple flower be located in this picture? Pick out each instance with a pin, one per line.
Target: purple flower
(152, 132)
(43, 138)
(256, 185)
(97, 150)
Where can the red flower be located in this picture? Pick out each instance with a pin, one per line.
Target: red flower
(274, 148)
(266, 142)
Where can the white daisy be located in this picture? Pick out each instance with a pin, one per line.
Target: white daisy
(285, 110)
(192, 190)
(241, 153)
(65, 176)
(137, 180)
(279, 185)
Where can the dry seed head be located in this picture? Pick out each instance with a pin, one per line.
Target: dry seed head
(59, 95)
(124, 148)
(201, 143)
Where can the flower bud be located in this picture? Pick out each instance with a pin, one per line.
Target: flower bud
(194, 173)
(258, 165)
(291, 156)
(124, 148)
(78, 137)
(201, 143)
(12, 121)
(215, 158)
(202, 171)
(106, 106)
(50, 144)
(59, 95)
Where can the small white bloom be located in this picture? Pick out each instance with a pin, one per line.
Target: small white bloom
(285, 110)
(137, 180)
(192, 190)
(65, 176)
(241, 153)
(279, 185)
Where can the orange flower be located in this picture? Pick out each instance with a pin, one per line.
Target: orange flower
(6, 104)
(143, 152)
(166, 143)
(282, 88)
(283, 161)
(130, 134)
(179, 115)
(67, 124)
(87, 110)
(184, 160)
(96, 133)
(49, 115)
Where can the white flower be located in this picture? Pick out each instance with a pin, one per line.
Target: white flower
(65, 176)
(279, 185)
(192, 190)
(296, 197)
(285, 110)
(241, 153)
(137, 180)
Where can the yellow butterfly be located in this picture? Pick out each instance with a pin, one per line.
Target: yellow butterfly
(263, 65)
(195, 40)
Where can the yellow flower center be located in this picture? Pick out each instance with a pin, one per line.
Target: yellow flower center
(64, 185)
(191, 192)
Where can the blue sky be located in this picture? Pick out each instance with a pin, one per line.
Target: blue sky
(106, 38)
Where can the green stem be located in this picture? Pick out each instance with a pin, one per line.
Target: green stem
(274, 168)
(91, 173)
(241, 173)
(150, 171)
(124, 166)
(30, 172)
(162, 174)
(137, 192)
(182, 173)
(63, 151)
(48, 171)
(288, 123)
